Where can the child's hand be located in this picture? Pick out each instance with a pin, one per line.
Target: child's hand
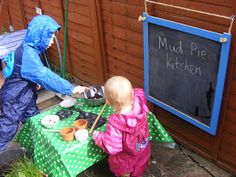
(38, 87)
(79, 89)
(95, 134)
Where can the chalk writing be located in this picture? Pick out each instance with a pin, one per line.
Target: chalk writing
(195, 51)
(163, 43)
(182, 65)
(173, 63)
(178, 49)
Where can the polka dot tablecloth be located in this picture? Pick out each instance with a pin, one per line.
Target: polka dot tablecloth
(58, 158)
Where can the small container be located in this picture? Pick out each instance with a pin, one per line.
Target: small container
(68, 102)
(50, 120)
(80, 124)
(67, 133)
(94, 96)
(81, 135)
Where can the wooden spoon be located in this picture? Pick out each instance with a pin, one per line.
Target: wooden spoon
(97, 118)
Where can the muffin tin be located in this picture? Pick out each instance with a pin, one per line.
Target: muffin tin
(64, 113)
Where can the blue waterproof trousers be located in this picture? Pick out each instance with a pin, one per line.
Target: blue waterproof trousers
(18, 103)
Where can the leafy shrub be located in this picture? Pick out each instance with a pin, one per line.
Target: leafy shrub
(23, 168)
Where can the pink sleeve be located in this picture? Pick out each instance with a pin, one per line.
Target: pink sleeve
(139, 92)
(110, 140)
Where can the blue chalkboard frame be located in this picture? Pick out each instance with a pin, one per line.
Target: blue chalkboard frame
(223, 61)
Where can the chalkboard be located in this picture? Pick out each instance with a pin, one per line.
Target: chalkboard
(182, 71)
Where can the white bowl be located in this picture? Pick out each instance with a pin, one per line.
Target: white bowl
(50, 120)
(81, 135)
(68, 102)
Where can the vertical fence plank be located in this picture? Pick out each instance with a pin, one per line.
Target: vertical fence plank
(97, 32)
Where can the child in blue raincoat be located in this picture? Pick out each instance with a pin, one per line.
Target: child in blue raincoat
(18, 93)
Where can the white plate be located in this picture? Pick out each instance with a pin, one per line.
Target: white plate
(68, 102)
(50, 120)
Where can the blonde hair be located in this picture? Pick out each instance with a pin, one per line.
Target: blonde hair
(118, 92)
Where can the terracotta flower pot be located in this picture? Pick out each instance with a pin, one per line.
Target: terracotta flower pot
(67, 133)
(81, 124)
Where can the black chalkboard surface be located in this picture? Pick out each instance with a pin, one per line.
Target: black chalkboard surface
(183, 70)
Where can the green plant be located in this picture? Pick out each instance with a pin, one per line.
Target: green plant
(69, 77)
(4, 30)
(23, 168)
(55, 68)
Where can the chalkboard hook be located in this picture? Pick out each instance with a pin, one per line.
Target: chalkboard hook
(231, 24)
(223, 39)
(141, 18)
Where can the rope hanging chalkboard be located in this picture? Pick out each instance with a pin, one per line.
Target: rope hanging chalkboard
(188, 9)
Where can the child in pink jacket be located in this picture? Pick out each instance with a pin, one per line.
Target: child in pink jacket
(126, 138)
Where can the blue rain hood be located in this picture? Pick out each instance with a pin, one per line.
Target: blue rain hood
(37, 38)
(40, 31)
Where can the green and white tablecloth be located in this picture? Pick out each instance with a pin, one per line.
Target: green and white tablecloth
(58, 158)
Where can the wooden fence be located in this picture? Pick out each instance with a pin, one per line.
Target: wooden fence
(105, 39)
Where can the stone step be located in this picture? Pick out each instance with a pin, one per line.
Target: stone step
(44, 95)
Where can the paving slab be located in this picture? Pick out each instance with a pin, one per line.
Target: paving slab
(167, 162)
